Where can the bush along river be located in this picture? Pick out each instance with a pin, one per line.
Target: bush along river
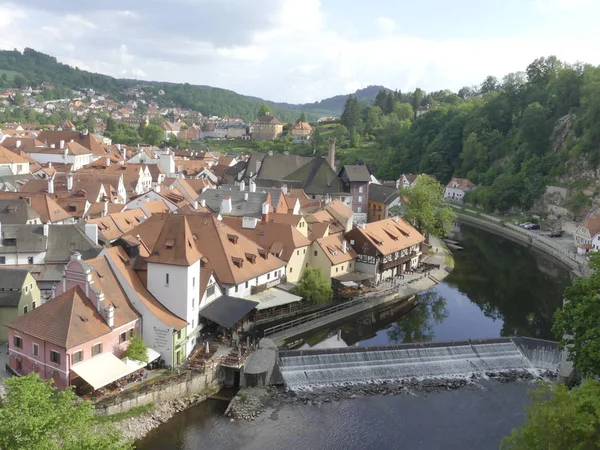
(497, 288)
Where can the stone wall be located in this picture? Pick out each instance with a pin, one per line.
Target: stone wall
(514, 233)
(190, 384)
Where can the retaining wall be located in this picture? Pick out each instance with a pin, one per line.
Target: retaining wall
(195, 383)
(571, 260)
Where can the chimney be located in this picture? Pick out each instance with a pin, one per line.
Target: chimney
(65, 153)
(157, 188)
(70, 182)
(331, 153)
(46, 229)
(122, 162)
(195, 204)
(265, 212)
(51, 185)
(109, 315)
(344, 246)
(62, 143)
(245, 196)
(252, 186)
(242, 185)
(49, 165)
(105, 209)
(76, 256)
(226, 206)
(108, 161)
(18, 143)
(284, 189)
(52, 146)
(203, 203)
(91, 231)
(363, 226)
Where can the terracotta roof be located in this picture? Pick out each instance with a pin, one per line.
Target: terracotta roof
(216, 240)
(332, 247)
(175, 244)
(389, 235)
(301, 126)
(66, 321)
(115, 225)
(205, 275)
(267, 235)
(96, 210)
(8, 157)
(268, 119)
(46, 207)
(593, 224)
(23, 143)
(460, 183)
(122, 264)
(289, 219)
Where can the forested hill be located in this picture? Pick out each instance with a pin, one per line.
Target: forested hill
(33, 68)
(511, 136)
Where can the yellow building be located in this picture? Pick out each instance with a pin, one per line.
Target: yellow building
(332, 255)
(19, 295)
(301, 131)
(267, 128)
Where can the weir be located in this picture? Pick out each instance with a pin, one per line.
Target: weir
(426, 360)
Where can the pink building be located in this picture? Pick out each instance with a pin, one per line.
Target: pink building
(78, 337)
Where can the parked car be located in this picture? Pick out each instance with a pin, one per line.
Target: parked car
(525, 225)
(556, 234)
(533, 226)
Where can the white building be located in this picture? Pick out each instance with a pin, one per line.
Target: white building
(457, 188)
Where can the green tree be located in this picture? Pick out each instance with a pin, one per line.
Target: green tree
(153, 135)
(576, 323)
(351, 114)
(137, 350)
(19, 81)
(34, 415)
(560, 419)
(110, 124)
(314, 287)
(302, 117)
(381, 99)
(264, 110)
(425, 208)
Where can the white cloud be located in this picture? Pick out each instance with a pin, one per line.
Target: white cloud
(386, 25)
(291, 55)
(560, 5)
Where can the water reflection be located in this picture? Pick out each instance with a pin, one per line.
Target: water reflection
(418, 325)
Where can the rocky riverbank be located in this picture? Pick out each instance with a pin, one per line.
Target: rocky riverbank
(134, 428)
(250, 403)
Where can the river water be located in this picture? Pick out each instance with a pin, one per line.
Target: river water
(497, 289)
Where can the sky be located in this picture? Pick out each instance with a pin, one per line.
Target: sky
(301, 51)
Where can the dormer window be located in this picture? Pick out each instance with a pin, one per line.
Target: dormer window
(239, 262)
(170, 243)
(251, 257)
(232, 238)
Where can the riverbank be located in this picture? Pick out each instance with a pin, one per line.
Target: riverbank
(577, 263)
(136, 427)
(439, 255)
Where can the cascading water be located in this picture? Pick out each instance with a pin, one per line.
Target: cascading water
(360, 365)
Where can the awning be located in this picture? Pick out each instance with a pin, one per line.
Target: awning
(273, 297)
(152, 354)
(227, 311)
(103, 369)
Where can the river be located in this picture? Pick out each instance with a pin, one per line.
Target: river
(497, 288)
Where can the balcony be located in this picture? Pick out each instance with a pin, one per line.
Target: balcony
(268, 285)
(397, 262)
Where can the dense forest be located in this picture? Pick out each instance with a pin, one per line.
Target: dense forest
(32, 68)
(511, 136)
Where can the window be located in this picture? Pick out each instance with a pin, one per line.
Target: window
(25, 309)
(304, 252)
(306, 265)
(360, 199)
(192, 323)
(269, 276)
(132, 333)
(298, 252)
(167, 279)
(97, 349)
(236, 289)
(210, 291)
(179, 335)
(246, 285)
(26, 289)
(277, 274)
(31, 284)
(33, 305)
(361, 189)
(358, 209)
(343, 199)
(35, 350)
(77, 357)
(193, 303)
(290, 270)
(122, 337)
(2, 259)
(194, 282)
(315, 253)
(54, 357)
(18, 342)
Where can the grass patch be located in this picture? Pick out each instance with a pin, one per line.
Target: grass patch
(133, 412)
(9, 73)
(448, 258)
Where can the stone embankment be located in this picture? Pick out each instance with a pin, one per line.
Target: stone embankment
(248, 404)
(134, 428)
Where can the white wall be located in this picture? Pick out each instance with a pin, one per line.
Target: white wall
(18, 169)
(181, 295)
(243, 291)
(22, 258)
(78, 161)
